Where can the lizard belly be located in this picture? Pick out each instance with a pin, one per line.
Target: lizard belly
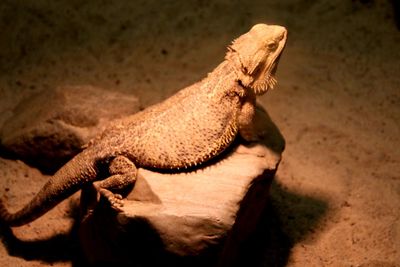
(173, 152)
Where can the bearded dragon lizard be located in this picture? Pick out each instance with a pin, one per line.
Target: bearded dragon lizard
(184, 131)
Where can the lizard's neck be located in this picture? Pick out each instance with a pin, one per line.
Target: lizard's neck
(226, 74)
(221, 78)
(224, 69)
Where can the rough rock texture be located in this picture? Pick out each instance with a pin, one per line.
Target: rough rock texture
(50, 127)
(188, 214)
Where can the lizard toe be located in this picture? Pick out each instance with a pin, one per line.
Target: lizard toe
(114, 199)
(117, 204)
(118, 196)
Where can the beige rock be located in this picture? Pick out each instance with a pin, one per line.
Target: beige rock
(52, 126)
(193, 215)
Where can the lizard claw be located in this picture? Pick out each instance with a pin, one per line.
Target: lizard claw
(117, 206)
(118, 196)
(116, 202)
(114, 199)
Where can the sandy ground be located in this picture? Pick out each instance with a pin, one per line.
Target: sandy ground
(336, 198)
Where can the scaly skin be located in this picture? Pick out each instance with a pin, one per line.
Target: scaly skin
(186, 130)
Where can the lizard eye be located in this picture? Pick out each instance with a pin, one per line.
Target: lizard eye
(245, 70)
(272, 45)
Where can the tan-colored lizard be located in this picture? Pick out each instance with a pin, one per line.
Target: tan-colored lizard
(186, 130)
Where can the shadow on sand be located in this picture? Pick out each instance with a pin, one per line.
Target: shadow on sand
(287, 219)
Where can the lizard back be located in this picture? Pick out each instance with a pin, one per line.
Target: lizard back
(186, 130)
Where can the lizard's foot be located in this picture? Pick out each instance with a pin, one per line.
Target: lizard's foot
(122, 177)
(114, 199)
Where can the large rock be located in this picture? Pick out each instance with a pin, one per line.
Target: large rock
(49, 128)
(191, 217)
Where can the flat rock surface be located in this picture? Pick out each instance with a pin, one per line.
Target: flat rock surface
(48, 128)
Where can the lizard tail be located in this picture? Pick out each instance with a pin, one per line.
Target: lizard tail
(5, 215)
(29, 213)
(63, 184)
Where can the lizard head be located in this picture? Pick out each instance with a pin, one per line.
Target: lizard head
(255, 56)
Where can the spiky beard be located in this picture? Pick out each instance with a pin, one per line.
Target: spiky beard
(262, 86)
(265, 81)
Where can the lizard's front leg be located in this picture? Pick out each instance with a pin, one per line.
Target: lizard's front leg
(123, 173)
(246, 118)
